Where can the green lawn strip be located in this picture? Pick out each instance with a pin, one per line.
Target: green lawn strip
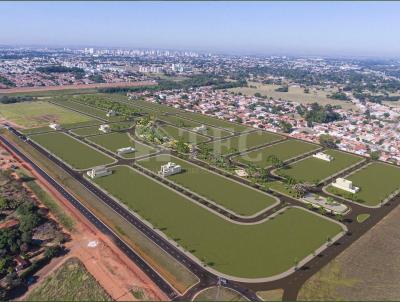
(252, 251)
(39, 114)
(219, 294)
(70, 150)
(70, 282)
(284, 151)
(243, 142)
(238, 198)
(36, 130)
(376, 182)
(116, 140)
(186, 136)
(315, 170)
(362, 217)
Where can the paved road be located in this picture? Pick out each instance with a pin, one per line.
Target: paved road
(206, 278)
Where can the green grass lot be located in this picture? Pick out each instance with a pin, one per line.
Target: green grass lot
(70, 282)
(197, 117)
(38, 114)
(295, 94)
(281, 188)
(36, 130)
(91, 122)
(86, 109)
(315, 170)
(376, 182)
(116, 140)
(93, 130)
(252, 251)
(186, 136)
(243, 142)
(284, 151)
(73, 152)
(86, 131)
(238, 198)
(219, 294)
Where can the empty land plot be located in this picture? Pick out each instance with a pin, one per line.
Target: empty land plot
(284, 151)
(236, 197)
(181, 134)
(76, 154)
(252, 251)
(86, 109)
(243, 142)
(376, 182)
(70, 282)
(117, 140)
(295, 94)
(91, 122)
(38, 114)
(315, 170)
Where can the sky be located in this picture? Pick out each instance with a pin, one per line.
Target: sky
(279, 28)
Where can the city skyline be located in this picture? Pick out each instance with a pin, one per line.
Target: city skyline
(305, 29)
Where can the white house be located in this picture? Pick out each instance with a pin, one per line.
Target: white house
(170, 169)
(125, 150)
(111, 113)
(346, 185)
(55, 126)
(105, 128)
(98, 172)
(201, 128)
(323, 156)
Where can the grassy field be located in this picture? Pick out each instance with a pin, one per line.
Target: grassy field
(186, 136)
(166, 265)
(315, 170)
(116, 140)
(256, 250)
(70, 282)
(38, 114)
(70, 150)
(376, 182)
(243, 142)
(284, 151)
(86, 131)
(219, 294)
(295, 94)
(271, 295)
(85, 109)
(231, 195)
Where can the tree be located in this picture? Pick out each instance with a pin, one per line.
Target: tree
(182, 147)
(275, 161)
(286, 127)
(327, 141)
(375, 155)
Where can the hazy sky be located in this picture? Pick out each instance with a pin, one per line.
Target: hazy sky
(336, 28)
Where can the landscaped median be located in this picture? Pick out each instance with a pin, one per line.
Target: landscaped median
(260, 250)
(378, 182)
(74, 153)
(238, 198)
